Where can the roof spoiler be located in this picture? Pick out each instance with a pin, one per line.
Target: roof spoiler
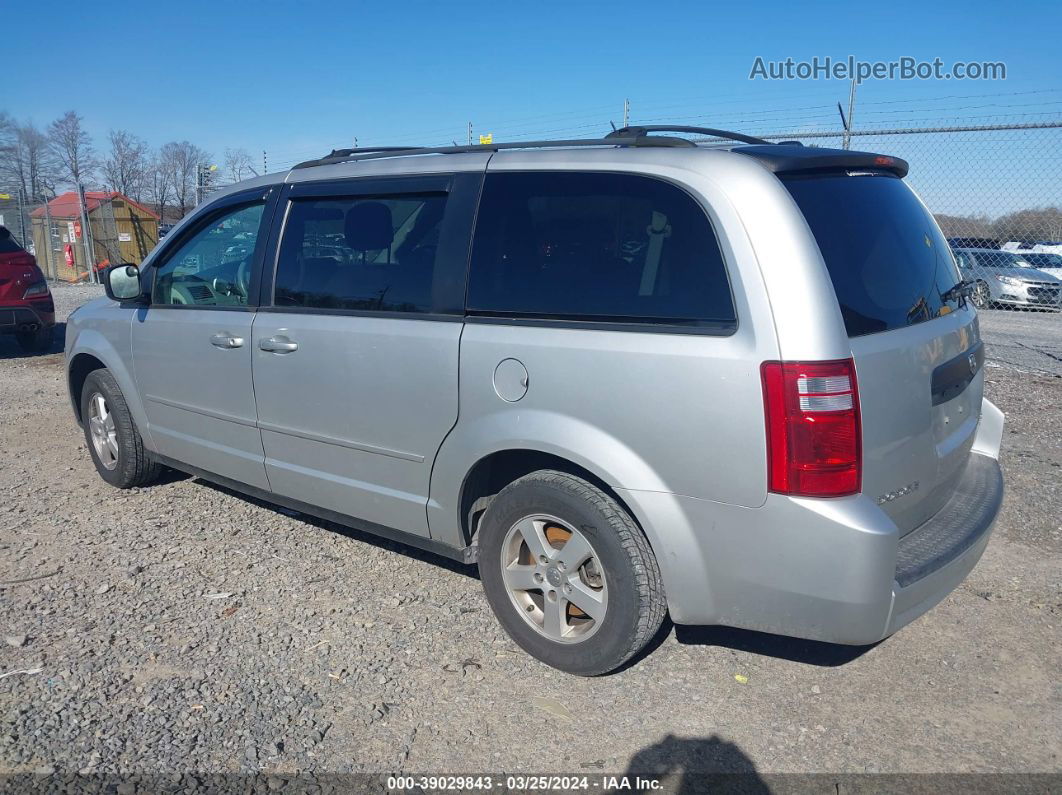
(793, 158)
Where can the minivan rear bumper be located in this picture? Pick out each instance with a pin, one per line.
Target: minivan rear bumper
(831, 570)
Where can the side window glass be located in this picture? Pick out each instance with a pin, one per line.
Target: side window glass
(596, 246)
(369, 254)
(213, 266)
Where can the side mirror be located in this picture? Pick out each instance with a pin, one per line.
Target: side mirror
(122, 282)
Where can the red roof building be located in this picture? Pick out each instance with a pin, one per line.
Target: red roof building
(66, 205)
(120, 231)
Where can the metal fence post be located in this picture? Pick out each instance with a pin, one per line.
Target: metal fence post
(53, 267)
(21, 214)
(86, 234)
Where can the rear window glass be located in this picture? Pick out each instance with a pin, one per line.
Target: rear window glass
(9, 246)
(886, 256)
(595, 246)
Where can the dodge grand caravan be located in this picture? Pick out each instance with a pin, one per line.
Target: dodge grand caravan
(628, 377)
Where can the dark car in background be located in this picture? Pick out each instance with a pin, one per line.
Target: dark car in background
(26, 307)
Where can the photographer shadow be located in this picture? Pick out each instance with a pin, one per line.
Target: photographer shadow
(686, 765)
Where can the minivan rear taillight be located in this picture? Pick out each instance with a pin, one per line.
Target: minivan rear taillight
(813, 430)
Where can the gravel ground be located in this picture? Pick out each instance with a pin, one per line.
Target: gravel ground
(1025, 341)
(184, 628)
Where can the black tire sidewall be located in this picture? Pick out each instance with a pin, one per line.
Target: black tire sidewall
(37, 341)
(611, 644)
(124, 474)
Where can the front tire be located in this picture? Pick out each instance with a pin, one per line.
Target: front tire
(113, 441)
(569, 574)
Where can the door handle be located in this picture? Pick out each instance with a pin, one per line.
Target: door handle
(226, 341)
(278, 344)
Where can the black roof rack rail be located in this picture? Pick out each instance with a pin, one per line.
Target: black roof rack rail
(373, 153)
(641, 131)
(366, 149)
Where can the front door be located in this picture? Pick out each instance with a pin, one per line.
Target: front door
(356, 361)
(192, 345)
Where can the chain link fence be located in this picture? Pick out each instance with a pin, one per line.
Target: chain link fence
(75, 243)
(996, 191)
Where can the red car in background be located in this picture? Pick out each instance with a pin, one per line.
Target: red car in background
(26, 306)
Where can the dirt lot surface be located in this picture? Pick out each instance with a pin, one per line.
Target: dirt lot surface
(184, 628)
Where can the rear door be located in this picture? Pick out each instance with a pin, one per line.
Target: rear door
(356, 360)
(192, 345)
(917, 348)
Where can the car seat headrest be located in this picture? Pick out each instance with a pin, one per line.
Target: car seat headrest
(368, 226)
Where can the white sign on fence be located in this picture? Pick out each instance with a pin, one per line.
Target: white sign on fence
(125, 237)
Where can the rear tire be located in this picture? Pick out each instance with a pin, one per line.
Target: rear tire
(36, 341)
(569, 574)
(111, 436)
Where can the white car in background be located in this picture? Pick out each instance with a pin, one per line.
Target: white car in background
(1043, 247)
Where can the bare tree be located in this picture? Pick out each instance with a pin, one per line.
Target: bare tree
(158, 185)
(965, 225)
(179, 159)
(10, 171)
(239, 165)
(25, 158)
(72, 148)
(126, 166)
(8, 131)
(1031, 225)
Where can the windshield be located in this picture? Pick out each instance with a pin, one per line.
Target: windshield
(1043, 260)
(888, 261)
(1001, 259)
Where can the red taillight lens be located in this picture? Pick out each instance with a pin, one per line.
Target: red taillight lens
(813, 430)
(37, 290)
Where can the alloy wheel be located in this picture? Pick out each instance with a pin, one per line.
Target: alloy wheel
(103, 432)
(554, 578)
(980, 295)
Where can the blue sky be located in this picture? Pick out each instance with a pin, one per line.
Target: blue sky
(296, 78)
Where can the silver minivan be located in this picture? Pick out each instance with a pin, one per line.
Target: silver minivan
(630, 377)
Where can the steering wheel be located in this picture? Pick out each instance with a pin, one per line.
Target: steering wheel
(243, 277)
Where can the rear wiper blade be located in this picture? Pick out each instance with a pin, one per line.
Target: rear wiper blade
(958, 292)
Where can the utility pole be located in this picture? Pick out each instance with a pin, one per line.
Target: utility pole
(626, 112)
(851, 112)
(470, 133)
